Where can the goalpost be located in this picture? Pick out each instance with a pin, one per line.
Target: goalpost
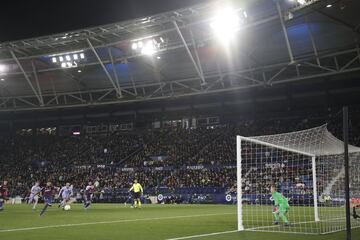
(307, 168)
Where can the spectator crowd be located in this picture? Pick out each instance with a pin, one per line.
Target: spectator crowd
(172, 158)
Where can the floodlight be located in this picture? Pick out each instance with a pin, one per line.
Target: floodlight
(54, 60)
(2, 68)
(302, 2)
(162, 40)
(68, 58)
(2, 79)
(61, 58)
(79, 71)
(63, 65)
(148, 49)
(329, 6)
(82, 56)
(75, 56)
(140, 44)
(245, 14)
(225, 23)
(134, 46)
(158, 57)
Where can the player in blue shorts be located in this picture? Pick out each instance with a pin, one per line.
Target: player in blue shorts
(88, 195)
(48, 193)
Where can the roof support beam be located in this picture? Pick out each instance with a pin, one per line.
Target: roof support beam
(37, 82)
(115, 72)
(276, 75)
(196, 52)
(349, 63)
(26, 101)
(312, 41)
(190, 84)
(189, 53)
(221, 75)
(318, 66)
(283, 26)
(158, 75)
(104, 68)
(161, 85)
(77, 98)
(133, 84)
(104, 95)
(27, 78)
(54, 91)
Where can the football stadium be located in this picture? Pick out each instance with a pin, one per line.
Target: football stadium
(232, 119)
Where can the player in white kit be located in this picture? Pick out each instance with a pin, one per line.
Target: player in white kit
(35, 195)
(66, 193)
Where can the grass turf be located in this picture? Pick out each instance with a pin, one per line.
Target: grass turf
(115, 221)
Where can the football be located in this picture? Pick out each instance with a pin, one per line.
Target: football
(67, 207)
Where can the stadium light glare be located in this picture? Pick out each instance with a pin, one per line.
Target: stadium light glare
(158, 57)
(82, 56)
(61, 59)
(79, 71)
(54, 60)
(302, 2)
(140, 44)
(75, 56)
(329, 6)
(67, 57)
(245, 14)
(2, 68)
(63, 65)
(2, 79)
(225, 23)
(134, 46)
(148, 48)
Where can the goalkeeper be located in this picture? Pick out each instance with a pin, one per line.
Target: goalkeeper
(281, 207)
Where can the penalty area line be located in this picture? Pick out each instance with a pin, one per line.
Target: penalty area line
(111, 222)
(203, 235)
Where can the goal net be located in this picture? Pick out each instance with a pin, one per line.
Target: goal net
(306, 169)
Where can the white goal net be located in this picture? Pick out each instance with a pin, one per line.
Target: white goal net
(294, 182)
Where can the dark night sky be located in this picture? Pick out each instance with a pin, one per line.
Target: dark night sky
(33, 18)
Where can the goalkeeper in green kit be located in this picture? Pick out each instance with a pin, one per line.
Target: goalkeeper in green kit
(281, 206)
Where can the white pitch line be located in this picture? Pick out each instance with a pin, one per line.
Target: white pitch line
(110, 222)
(291, 224)
(249, 229)
(203, 235)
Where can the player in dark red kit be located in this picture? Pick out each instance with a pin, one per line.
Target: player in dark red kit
(355, 204)
(3, 194)
(48, 193)
(88, 194)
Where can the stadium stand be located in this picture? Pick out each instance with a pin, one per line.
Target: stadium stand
(168, 161)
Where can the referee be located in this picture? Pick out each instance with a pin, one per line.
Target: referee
(138, 191)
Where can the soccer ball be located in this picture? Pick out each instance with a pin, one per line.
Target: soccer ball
(67, 207)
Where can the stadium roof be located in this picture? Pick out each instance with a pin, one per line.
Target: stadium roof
(190, 61)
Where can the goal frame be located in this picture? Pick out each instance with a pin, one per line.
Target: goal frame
(239, 139)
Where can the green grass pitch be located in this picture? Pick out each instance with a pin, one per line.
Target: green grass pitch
(116, 221)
